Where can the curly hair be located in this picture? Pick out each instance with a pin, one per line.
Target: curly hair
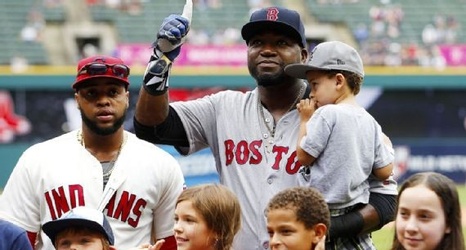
(307, 202)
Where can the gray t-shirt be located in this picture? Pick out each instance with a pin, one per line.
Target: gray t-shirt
(347, 143)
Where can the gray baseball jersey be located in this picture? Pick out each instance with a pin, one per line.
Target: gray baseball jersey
(54, 176)
(249, 161)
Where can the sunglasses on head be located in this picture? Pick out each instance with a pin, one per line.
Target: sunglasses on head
(92, 69)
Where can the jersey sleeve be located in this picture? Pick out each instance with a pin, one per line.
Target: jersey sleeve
(199, 119)
(383, 154)
(19, 202)
(318, 131)
(171, 187)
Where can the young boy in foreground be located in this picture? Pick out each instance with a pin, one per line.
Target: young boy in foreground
(83, 228)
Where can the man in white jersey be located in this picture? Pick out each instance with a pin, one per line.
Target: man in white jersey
(133, 182)
(252, 135)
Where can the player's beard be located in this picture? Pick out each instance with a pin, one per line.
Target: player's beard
(103, 131)
(268, 79)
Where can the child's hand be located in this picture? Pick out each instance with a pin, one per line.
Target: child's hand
(306, 108)
(143, 246)
(157, 246)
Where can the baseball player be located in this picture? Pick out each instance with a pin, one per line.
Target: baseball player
(133, 182)
(252, 135)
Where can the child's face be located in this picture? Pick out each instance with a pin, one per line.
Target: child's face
(191, 230)
(420, 221)
(323, 88)
(79, 240)
(286, 232)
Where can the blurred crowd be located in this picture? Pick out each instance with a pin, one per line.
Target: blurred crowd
(380, 41)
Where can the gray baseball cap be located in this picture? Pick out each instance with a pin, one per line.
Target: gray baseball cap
(83, 217)
(333, 55)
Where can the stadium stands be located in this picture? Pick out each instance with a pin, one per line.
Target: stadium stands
(137, 27)
(415, 14)
(393, 32)
(407, 17)
(142, 27)
(14, 17)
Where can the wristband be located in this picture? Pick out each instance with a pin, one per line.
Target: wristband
(156, 75)
(348, 225)
(385, 205)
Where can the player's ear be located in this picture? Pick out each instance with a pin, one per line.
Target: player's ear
(304, 55)
(76, 99)
(127, 99)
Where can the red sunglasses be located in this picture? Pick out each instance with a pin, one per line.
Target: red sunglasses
(92, 69)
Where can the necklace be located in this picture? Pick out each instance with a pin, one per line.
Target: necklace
(271, 129)
(112, 162)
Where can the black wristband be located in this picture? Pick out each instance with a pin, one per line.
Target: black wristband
(385, 205)
(348, 225)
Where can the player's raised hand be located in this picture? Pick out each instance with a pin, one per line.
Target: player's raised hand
(167, 47)
(171, 35)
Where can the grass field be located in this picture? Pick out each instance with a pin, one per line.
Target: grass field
(384, 237)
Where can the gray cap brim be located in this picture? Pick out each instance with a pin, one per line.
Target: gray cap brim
(300, 70)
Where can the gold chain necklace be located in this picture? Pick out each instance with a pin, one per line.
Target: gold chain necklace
(261, 108)
(112, 162)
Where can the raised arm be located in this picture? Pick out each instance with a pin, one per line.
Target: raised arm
(306, 109)
(152, 105)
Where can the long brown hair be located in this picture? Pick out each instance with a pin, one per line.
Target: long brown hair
(220, 209)
(446, 190)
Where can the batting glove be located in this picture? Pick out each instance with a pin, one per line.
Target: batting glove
(171, 35)
(166, 48)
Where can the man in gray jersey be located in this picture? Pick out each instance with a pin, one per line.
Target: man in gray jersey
(252, 135)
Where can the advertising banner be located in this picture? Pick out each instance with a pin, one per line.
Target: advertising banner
(454, 54)
(190, 55)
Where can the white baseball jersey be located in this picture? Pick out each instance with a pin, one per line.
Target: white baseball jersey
(249, 161)
(54, 176)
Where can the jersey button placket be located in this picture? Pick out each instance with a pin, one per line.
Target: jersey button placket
(268, 142)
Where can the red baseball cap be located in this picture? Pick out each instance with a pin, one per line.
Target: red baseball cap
(101, 66)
